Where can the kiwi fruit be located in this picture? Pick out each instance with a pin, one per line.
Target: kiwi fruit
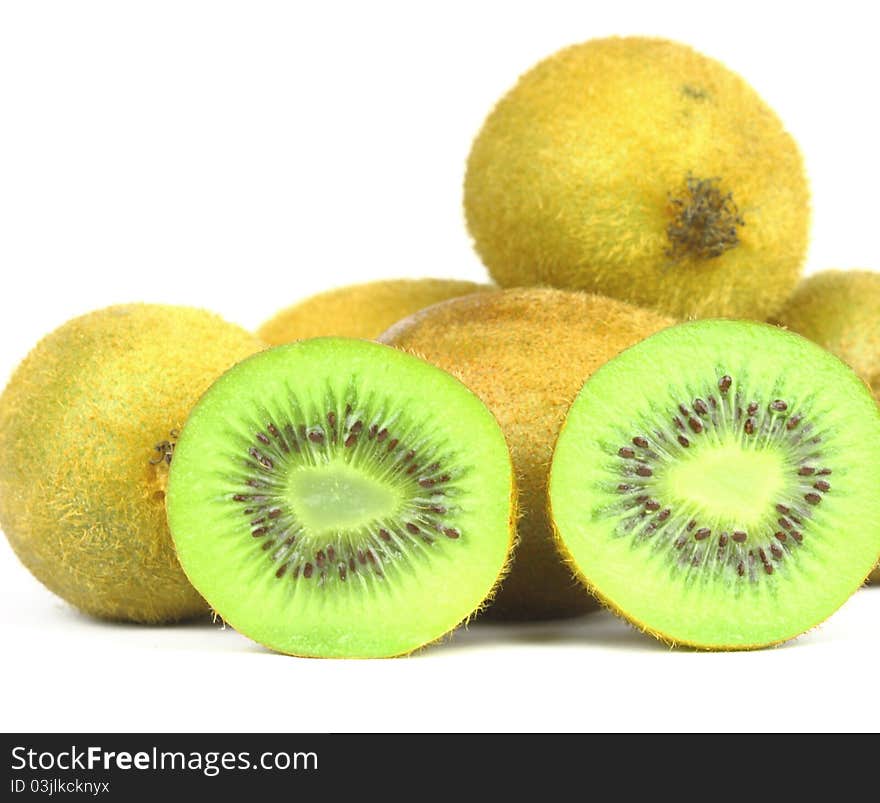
(709, 484)
(87, 428)
(337, 498)
(840, 310)
(526, 353)
(643, 170)
(360, 310)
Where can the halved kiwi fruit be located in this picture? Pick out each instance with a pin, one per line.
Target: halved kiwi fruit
(711, 484)
(339, 498)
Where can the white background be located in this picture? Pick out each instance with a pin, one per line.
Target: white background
(239, 156)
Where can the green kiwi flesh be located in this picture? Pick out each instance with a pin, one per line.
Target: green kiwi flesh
(711, 484)
(338, 498)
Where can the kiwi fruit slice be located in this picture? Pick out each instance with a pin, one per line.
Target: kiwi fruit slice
(526, 353)
(337, 498)
(840, 310)
(87, 429)
(710, 484)
(360, 310)
(643, 170)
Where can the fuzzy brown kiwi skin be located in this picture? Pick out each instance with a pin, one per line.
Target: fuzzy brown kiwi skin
(526, 353)
(711, 221)
(84, 509)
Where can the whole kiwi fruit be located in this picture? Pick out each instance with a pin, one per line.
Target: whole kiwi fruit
(360, 310)
(87, 429)
(526, 353)
(643, 170)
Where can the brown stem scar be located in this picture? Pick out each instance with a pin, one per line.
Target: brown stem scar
(705, 221)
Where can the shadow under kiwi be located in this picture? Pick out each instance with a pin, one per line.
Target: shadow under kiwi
(597, 629)
(601, 629)
(202, 621)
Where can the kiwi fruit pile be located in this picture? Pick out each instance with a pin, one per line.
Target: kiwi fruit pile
(641, 406)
